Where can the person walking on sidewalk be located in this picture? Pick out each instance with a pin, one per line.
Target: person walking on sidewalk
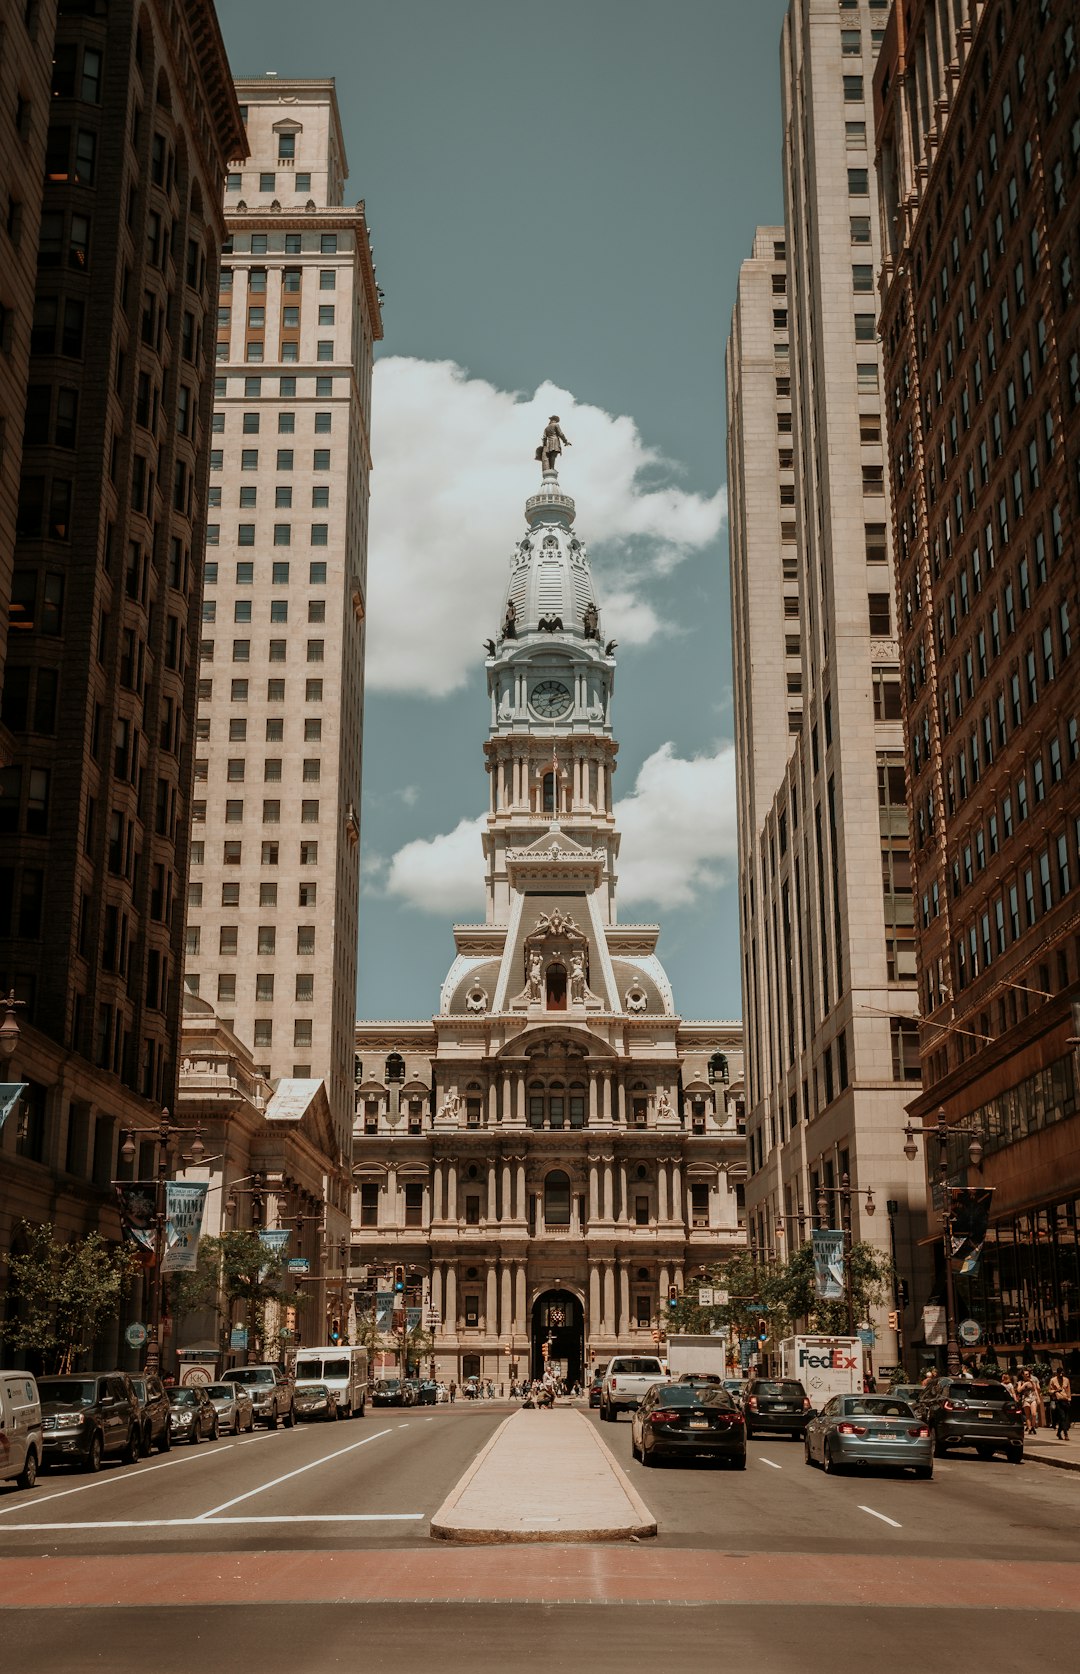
(1029, 1400)
(1060, 1391)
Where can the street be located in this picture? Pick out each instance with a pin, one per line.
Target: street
(310, 1550)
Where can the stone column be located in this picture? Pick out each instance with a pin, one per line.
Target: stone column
(594, 1099)
(506, 1210)
(622, 1101)
(520, 1112)
(665, 1282)
(595, 1313)
(450, 1314)
(491, 1203)
(521, 1206)
(437, 1289)
(678, 1207)
(607, 1097)
(594, 1189)
(520, 1300)
(609, 1298)
(624, 1191)
(491, 1300)
(624, 1299)
(506, 1306)
(451, 1190)
(392, 1218)
(607, 1201)
(507, 1110)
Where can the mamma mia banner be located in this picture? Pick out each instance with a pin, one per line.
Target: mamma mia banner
(184, 1203)
(828, 1265)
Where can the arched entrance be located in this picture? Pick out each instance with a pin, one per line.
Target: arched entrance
(558, 1319)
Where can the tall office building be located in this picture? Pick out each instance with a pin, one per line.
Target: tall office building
(979, 151)
(99, 687)
(825, 893)
(557, 1149)
(272, 901)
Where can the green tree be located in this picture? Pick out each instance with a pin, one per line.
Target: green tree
(236, 1267)
(782, 1293)
(64, 1294)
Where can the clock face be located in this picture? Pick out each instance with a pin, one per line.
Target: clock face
(550, 698)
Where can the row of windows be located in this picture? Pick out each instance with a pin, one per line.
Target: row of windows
(1029, 896)
(289, 350)
(284, 459)
(275, 691)
(292, 279)
(278, 650)
(275, 731)
(245, 573)
(279, 610)
(286, 386)
(266, 939)
(232, 851)
(293, 244)
(248, 499)
(290, 316)
(286, 423)
(268, 897)
(318, 534)
(300, 182)
(236, 767)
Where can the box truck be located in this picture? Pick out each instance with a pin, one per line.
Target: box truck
(825, 1366)
(690, 1353)
(342, 1368)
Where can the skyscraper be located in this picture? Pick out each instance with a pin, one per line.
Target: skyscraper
(272, 901)
(99, 687)
(979, 150)
(556, 1151)
(825, 892)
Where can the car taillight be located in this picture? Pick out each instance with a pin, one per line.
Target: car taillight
(921, 1430)
(806, 1403)
(953, 1406)
(614, 1383)
(665, 1415)
(851, 1429)
(1016, 1411)
(731, 1418)
(751, 1401)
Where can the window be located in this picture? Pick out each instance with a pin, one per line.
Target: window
(699, 1205)
(853, 90)
(858, 183)
(557, 1199)
(905, 1049)
(860, 229)
(369, 1204)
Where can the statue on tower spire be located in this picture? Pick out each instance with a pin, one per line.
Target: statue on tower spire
(552, 445)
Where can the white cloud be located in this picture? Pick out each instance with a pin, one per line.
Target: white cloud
(443, 874)
(679, 829)
(679, 841)
(453, 467)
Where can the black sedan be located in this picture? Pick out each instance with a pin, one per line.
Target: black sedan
(193, 1414)
(387, 1392)
(315, 1400)
(677, 1420)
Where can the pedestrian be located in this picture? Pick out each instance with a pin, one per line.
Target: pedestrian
(1029, 1400)
(1060, 1392)
(453, 1391)
(869, 1384)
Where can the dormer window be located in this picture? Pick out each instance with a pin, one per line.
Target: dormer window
(548, 800)
(555, 978)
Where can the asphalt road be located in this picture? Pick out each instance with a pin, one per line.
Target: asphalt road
(308, 1550)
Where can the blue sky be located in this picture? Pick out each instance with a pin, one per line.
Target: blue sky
(560, 197)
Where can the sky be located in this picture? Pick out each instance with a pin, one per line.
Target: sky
(559, 199)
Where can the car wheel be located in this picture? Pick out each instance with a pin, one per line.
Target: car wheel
(236, 1424)
(739, 1463)
(93, 1458)
(749, 1430)
(923, 1473)
(984, 1451)
(28, 1475)
(648, 1457)
(290, 1419)
(828, 1463)
(1015, 1455)
(941, 1446)
(130, 1455)
(165, 1444)
(215, 1430)
(806, 1450)
(273, 1420)
(633, 1446)
(147, 1444)
(251, 1422)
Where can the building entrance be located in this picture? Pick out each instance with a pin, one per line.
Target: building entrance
(558, 1319)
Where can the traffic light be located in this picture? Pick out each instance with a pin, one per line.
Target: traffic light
(335, 1330)
(673, 1296)
(399, 1279)
(894, 1319)
(762, 1330)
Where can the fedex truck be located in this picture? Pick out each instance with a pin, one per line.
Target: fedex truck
(825, 1366)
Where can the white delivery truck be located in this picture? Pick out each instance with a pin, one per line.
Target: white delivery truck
(690, 1353)
(825, 1366)
(342, 1368)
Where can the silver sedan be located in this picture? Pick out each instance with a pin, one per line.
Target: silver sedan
(869, 1430)
(232, 1404)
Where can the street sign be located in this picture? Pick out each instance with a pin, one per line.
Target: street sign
(298, 1264)
(721, 1298)
(866, 1336)
(135, 1334)
(705, 1296)
(238, 1337)
(969, 1332)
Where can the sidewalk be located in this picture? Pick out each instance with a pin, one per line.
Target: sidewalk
(543, 1476)
(1045, 1449)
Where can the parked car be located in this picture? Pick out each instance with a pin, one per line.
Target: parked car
(411, 1391)
(736, 1388)
(233, 1406)
(974, 1412)
(88, 1418)
(679, 1419)
(20, 1421)
(316, 1400)
(193, 1415)
(429, 1393)
(776, 1406)
(387, 1392)
(907, 1392)
(869, 1430)
(153, 1413)
(627, 1381)
(272, 1392)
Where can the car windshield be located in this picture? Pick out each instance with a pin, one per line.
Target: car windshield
(388, 1383)
(182, 1397)
(883, 1406)
(251, 1374)
(139, 1386)
(979, 1391)
(786, 1391)
(703, 1378)
(221, 1391)
(637, 1368)
(72, 1393)
(677, 1395)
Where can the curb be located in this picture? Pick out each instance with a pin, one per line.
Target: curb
(440, 1528)
(1057, 1464)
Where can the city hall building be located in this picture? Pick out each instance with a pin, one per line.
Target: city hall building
(557, 1150)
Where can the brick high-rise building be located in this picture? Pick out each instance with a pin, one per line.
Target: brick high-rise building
(825, 894)
(978, 137)
(273, 896)
(106, 575)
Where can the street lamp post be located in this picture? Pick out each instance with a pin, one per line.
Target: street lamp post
(164, 1132)
(844, 1190)
(257, 1192)
(941, 1131)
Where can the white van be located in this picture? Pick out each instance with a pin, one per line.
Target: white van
(20, 1429)
(342, 1368)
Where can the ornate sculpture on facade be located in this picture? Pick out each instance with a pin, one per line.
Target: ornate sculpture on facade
(635, 1000)
(591, 621)
(509, 627)
(476, 999)
(448, 1110)
(550, 624)
(552, 445)
(534, 984)
(664, 1112)
(579, 988)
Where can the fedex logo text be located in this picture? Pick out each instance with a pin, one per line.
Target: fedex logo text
(835, 1360)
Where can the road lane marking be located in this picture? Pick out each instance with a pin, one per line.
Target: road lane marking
(265, 1435)
(770, 1462)
(213, 1512)
(126, 1476)
(230, 1522)
(404, 1426)
(870, 1512)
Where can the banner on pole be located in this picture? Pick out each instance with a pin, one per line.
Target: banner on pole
(275, 1242)
(184, 1204)
(138, 1204)
(10, 1094)
(828, 1264)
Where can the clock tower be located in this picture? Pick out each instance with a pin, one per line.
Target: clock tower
(550, 750)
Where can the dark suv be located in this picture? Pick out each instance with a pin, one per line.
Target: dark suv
(776, 1406)
(974, 1412)
(89, 1417)
(153, 1413)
